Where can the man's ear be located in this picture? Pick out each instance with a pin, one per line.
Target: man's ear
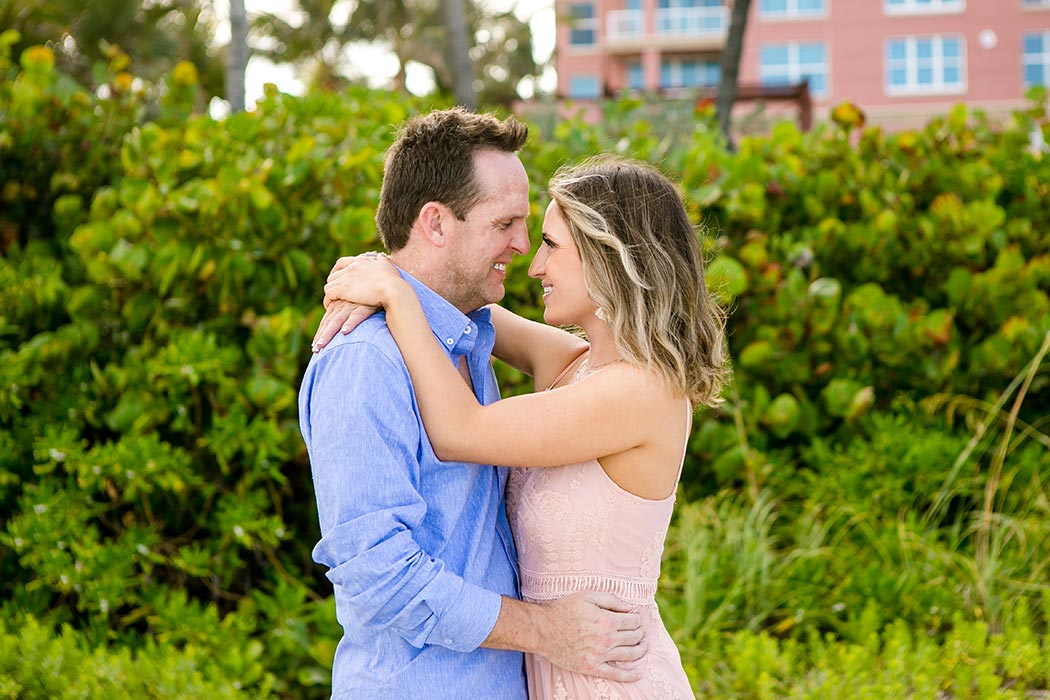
(433, 218)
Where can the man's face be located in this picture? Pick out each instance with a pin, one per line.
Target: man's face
(481, 247)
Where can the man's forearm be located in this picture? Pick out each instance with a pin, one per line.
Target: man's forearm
(590, 633)
(518, 627)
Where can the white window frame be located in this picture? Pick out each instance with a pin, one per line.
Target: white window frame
(1035, 5)
(1041, 59)
(934, 7)
(792, 11)
(911, 66)
(793, 68)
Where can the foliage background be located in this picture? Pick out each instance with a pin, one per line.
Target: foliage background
(869, 513)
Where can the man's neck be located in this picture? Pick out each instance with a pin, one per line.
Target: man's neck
(430, 272)
(411, 264)
(415, 265)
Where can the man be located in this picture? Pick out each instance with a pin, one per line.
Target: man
(419, 550)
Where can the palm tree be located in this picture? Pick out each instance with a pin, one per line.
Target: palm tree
(314, 44)
(503, 56)
(237, 56)
(727, 88)
(499, 46)
(500, 53)
(155, 35)
(459, 53)
(412, 29)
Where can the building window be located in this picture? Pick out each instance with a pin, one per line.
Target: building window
(585, 87)
(1036, 58)
(691, 17)
(1035, 3)
(921, 7)
(583, 27)
(687, 4)
(689, 73)
(635, 77)
(626, 23)
(790, 64)
(923, 65)
(777, 9)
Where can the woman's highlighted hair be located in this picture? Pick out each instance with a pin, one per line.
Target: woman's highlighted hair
(644, 268)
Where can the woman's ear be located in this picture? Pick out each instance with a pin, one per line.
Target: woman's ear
(432, 218)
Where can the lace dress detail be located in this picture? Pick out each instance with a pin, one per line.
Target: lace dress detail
(577, 530)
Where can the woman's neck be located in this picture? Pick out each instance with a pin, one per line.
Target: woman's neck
(603, 345)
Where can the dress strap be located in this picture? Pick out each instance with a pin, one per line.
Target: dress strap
(561, 375)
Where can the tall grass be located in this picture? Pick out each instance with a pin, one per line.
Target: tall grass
(910, 559)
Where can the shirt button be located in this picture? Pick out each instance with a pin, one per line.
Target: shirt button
(449, 341)
(448, 641)
(467, 331)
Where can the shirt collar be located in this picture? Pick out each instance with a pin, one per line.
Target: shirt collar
(457, 332)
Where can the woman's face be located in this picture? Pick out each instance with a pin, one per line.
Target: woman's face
(558, 267)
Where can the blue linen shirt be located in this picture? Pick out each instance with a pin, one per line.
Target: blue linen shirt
(419, 551)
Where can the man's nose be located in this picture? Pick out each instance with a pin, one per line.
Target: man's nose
(520, 242)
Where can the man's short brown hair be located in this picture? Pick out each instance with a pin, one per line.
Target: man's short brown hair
(432, 160)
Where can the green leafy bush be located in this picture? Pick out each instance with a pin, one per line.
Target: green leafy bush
(154, 483)
(896, 662)
(37, 664)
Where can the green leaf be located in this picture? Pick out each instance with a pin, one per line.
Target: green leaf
(727, 278)
(782, 415)
(261, 197)
(846, 398)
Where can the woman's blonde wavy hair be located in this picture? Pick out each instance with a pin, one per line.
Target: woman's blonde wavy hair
(644, 269)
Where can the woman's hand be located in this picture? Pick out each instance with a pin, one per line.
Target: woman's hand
(339, 317)
(366, 280)
(356, 287)
(339, 265)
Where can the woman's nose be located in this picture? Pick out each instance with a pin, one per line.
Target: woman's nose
(536, 266)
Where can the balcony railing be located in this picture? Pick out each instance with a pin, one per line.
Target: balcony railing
(625, 24)
(704, 22)
(692, 21)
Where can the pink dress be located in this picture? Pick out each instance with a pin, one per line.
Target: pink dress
(577, 530)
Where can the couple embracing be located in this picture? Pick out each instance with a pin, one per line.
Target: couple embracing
(445, 567)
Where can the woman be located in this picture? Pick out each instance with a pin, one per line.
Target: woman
(602, 442)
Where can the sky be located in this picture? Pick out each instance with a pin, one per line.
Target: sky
(382, 66)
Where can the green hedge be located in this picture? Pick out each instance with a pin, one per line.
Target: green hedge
(884, 438)
(38, 664)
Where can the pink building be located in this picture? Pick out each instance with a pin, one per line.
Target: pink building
(900, 60)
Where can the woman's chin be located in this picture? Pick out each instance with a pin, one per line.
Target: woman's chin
(553, 318)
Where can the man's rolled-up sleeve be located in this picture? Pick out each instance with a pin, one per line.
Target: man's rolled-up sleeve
(363, 435)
